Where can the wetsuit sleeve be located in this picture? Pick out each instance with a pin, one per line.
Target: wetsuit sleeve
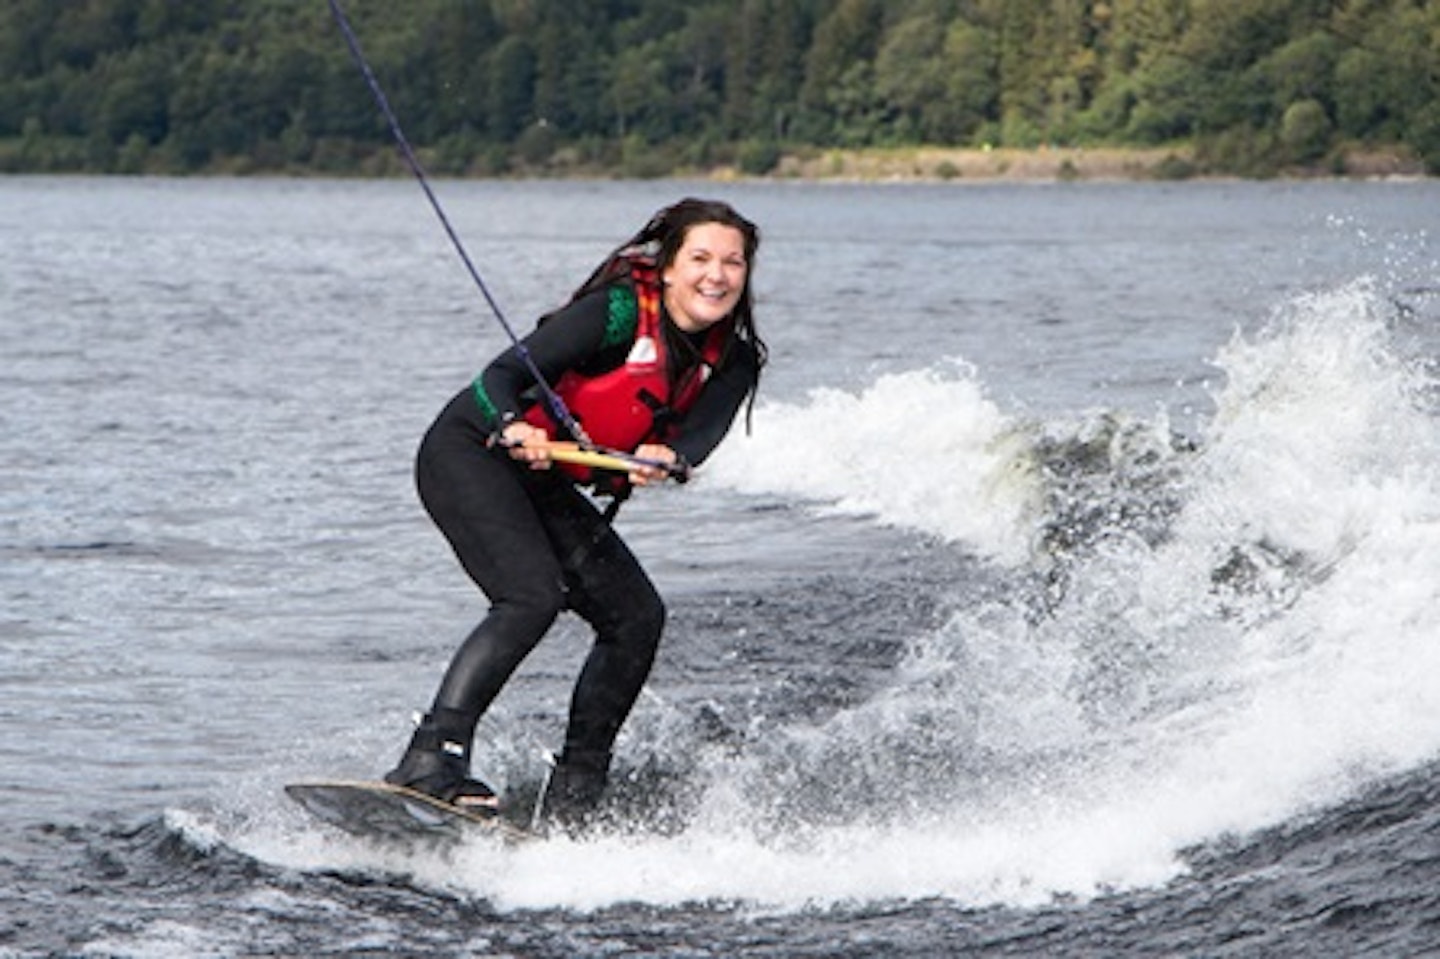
(707, 422)
(567, 340)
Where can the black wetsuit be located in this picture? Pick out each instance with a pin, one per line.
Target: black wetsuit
(536, 545)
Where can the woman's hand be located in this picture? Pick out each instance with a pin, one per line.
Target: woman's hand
(645, 475)
(527, 443)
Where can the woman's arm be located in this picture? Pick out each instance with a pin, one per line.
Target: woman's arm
(569, 338)
(707, 422)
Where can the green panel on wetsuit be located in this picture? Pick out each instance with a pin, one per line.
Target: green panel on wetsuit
(624, 315)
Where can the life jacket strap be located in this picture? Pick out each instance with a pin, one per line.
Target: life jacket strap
(661, 413)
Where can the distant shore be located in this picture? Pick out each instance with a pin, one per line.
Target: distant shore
(1051, 164)
(867, 165)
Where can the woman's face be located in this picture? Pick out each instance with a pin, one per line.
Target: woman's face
(705, 280)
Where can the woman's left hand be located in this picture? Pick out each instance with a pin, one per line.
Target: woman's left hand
(529, 444)
(642, 475)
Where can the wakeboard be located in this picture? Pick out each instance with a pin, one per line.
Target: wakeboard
(381, 810)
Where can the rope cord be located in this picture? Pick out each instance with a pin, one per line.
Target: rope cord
(552, 399)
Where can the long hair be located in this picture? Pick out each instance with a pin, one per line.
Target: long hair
(661, 239)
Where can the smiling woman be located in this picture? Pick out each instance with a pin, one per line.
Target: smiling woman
(705, 281)
(654, 354)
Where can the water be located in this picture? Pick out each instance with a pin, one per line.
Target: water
(1075, 592)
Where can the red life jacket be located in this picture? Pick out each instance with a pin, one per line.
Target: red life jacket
(633, 403)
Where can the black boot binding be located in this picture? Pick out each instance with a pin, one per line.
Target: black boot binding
(574, 789)
(437, 763)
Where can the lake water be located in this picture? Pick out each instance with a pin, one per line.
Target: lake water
(1075, 592)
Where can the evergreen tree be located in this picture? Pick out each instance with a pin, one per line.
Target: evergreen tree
(643, 85)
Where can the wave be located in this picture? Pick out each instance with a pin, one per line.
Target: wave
(925, 450)
(1193, 637)
(1217, 635)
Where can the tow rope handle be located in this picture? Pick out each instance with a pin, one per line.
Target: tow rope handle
(607, 459)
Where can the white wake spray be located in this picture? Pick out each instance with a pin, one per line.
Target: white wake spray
(924, 450)
(1256, 649)
(1269, 652)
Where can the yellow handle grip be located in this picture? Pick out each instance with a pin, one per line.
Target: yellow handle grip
(563, 454)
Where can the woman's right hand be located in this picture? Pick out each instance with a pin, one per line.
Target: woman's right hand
(527, 443)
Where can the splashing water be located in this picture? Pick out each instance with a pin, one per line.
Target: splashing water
(922, 450)
(1192, 640)
(1265, 652)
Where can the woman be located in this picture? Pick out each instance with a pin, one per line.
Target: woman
(654, 354)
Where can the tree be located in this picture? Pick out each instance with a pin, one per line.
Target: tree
(1424, 136)
(836, 92)
(910, 69)
(1022, 86)
(1305, 131)
(972, 84)
(1168, 104)
(268, 83)
(637, 83)
(135, 99)
(460, 49)
(1304, 69)
(1393, 76)
(510, 88)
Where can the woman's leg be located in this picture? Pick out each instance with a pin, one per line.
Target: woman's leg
(616, 597)
(484, 507)
(610, 590)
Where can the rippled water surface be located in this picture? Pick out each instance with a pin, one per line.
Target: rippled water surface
(1075, 592)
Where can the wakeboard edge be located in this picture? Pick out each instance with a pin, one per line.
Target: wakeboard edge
(376, 809)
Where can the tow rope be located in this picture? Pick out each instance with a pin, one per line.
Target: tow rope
(587, 453)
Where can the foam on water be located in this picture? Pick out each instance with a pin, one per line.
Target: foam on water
(1044, 649)
(924, 449)
(1266, 654)
(1172, 696)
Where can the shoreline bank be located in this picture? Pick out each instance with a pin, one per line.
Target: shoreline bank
(916, 164)
(1054, 164)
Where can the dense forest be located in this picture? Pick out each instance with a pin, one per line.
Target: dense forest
(646, 87)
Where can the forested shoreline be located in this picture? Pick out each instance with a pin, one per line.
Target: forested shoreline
(653, 87)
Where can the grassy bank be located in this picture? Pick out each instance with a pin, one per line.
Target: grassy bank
(899, 164)
(1057, 164)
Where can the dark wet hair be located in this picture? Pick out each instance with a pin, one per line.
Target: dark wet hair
(661, 239)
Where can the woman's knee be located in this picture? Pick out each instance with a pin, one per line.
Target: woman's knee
(640, 624)
(532, 608)
(652, 613)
